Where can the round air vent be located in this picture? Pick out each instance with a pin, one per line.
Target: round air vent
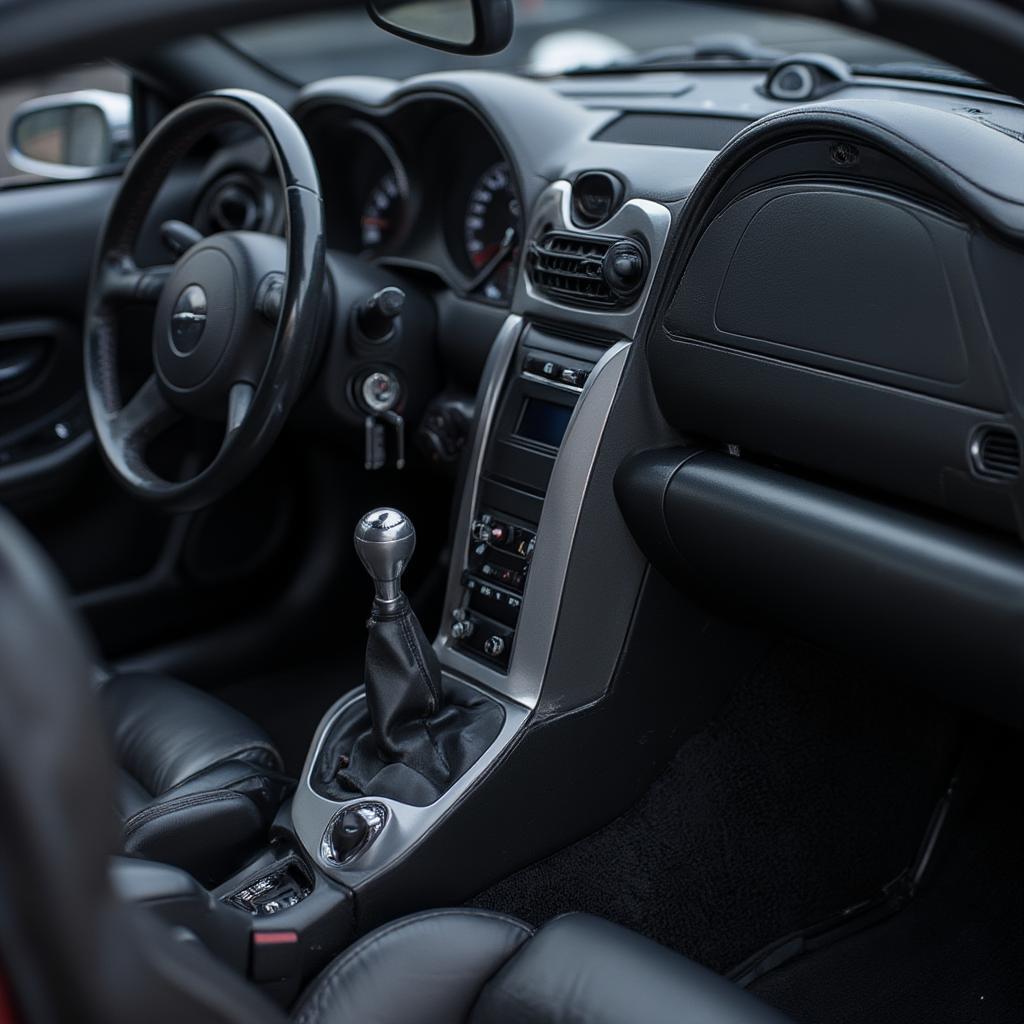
(237, 201)
(806, 77)
(596, 195)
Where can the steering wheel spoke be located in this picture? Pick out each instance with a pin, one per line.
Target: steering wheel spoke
(144, 416)
(122, 283)
(239, 400)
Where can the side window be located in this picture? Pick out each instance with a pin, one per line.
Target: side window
(74, 136)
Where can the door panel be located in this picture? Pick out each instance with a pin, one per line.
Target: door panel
(47, 236)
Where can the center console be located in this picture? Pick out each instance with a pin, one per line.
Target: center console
(539, 558)
(547, 377)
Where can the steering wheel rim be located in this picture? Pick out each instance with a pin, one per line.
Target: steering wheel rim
(255, 410)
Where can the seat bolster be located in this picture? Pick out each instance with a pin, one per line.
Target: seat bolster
(178, 832)
(428, 967)
(165, 732)
(582, 968)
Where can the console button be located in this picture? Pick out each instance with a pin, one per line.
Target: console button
(481, 529)
(462, 630)
(494, 646)
(574, 376)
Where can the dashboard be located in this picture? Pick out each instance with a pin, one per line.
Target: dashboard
(426, 188)
(799, 283)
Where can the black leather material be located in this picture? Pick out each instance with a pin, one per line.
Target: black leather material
(476, 967)
(199, 782)
(70, 950)
(429, 967)
(403, 686)
(582, 968)
(415, 735)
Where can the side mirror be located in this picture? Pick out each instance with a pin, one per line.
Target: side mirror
(76, 135)
(458, 26)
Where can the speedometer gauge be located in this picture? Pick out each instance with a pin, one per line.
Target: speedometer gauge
(491, 230)
(382, 212)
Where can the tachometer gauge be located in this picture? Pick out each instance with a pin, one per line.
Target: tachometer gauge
(491, 231)
(382, 212)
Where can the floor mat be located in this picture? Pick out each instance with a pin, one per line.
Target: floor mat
(955, 953)
(809, 793)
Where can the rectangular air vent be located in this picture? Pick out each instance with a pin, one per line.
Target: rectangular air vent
(570, 269)
(996, 453)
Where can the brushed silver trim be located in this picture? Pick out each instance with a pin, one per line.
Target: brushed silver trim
(635, 218)
(555, 535)
(526, 375)
(406, 825)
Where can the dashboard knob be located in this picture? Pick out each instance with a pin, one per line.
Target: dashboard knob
(625, 268)
(378, 314)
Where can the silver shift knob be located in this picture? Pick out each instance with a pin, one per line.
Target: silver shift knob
(385, 540)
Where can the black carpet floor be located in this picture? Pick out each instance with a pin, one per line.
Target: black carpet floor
(810, 792)
(956, 952)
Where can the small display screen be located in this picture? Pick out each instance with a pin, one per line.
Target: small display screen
(544, 422)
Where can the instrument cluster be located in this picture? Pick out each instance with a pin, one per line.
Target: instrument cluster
(426, 187)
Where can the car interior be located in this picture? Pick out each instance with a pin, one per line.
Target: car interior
(511, 512)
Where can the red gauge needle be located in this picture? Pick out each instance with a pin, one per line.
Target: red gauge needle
(502, 249)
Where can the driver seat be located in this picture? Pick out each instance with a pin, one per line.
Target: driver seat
(198, 782)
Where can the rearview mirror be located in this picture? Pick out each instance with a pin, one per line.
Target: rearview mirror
(77, 135)
(459, 26)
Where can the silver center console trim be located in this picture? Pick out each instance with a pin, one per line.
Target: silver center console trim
(557, 384)
(542, 598)
(406, 825)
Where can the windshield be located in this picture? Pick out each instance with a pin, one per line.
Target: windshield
(552, 36)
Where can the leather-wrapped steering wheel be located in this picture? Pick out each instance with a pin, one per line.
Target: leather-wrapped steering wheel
(236, 315)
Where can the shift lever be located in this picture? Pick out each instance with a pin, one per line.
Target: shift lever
(416, 733)
(385, 540)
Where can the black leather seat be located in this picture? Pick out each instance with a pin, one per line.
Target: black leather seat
(475, 967)
(198, 781)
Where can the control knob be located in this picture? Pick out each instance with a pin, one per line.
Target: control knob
(349, 832)
(379, 314)
(625, 268)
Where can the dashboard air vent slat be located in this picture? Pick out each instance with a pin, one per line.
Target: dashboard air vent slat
(570, 268)
(997, 453)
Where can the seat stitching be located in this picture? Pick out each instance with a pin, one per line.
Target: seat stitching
(326, 985)
(143, 817)
(235, 756)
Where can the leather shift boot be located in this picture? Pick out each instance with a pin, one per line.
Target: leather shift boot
(403, 687)
(413, 738)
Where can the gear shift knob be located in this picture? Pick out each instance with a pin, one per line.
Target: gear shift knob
(385, 540)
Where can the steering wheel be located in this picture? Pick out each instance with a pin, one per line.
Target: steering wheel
(236, 315)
